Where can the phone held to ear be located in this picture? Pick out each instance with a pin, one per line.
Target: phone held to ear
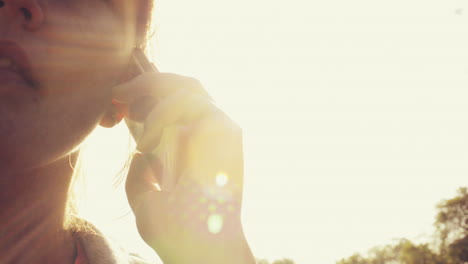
(167, 149)
(139, 64)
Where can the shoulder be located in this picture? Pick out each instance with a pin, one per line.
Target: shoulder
(136, 259)
(100, 248)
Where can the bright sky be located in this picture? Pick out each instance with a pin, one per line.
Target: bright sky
(355, 116)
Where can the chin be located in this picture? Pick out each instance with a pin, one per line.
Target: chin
(18, 154)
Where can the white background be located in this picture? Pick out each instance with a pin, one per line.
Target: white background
(355, 115)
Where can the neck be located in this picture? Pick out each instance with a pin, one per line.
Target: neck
(32, 211)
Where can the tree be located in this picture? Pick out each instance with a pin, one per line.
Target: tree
(262, 261)
(354, 259)
(452, 232)
(405, 252)
(458, 250)
(452, 226)
(410, 253)
(282, 261)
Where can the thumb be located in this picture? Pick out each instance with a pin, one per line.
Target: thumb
(143, 177)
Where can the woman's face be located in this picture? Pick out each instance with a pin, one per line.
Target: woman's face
(76, 51)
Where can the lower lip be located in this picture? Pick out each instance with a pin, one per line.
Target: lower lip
(9, 77)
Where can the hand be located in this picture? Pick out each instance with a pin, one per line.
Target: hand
(198, 220)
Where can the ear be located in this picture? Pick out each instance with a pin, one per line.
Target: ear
(114, 114)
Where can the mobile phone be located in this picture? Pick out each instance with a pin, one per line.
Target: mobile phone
(139, 64)
(168, 144)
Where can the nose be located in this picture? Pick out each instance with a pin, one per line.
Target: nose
(29, 11)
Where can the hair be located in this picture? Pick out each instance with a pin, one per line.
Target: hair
(143, 23)
(72, 220)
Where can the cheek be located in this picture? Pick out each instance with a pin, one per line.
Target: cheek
(41, 132)
(86, 51)
(68, 68)
(76, 64)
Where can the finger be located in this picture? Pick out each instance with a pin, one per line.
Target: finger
(185, 82)
(157, 85)
(142, 85)
(180, 107)
(214, 153)
(146, 203)
(143, 176)
(139, 109)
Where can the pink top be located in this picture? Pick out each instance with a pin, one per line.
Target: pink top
(81, 257)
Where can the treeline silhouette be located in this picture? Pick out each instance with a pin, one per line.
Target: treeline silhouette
(280, 261)
(450, 245)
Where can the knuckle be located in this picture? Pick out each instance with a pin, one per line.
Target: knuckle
(218, 123)
(194, 82)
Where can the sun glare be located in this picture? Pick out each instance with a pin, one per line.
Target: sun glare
(221, 179)
(215, 223)
(354, 116)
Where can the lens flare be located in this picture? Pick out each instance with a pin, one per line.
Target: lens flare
(222, 179)
(212, 208)
(215, 223)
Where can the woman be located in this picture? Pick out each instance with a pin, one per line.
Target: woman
(63, 65)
